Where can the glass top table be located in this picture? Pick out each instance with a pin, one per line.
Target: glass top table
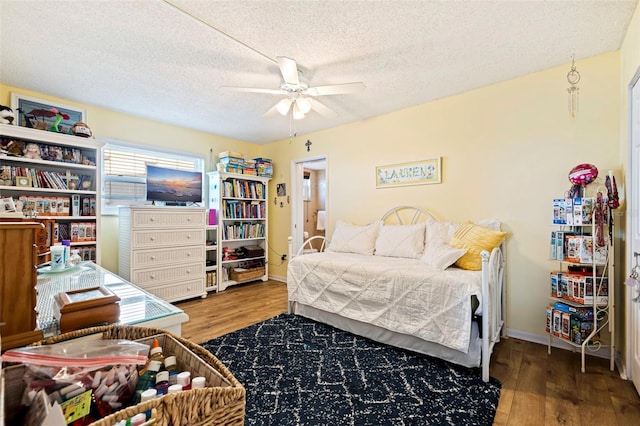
(137, 307)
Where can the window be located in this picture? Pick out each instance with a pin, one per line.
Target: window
(306, 187)
(124, 172)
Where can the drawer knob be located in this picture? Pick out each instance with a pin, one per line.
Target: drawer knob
(152, 238)
(188, 271)
(151, 219)
(189, 288)
(152, 276)
(188, 236)
(188, 219)
(153, 258)
(188, 254)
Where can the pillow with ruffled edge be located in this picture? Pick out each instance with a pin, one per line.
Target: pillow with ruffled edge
(401, 241)
(359, 239)
(474, 239)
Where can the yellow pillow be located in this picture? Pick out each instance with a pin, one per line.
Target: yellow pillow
(474, 239)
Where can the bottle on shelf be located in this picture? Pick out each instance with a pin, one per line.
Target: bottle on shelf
(184, 380)
(162, 382)
(147, 379)
(170, 364)
(198, 383)
(174, 389)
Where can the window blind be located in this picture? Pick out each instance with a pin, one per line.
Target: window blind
(124, 172)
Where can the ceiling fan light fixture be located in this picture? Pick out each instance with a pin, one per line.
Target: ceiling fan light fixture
(297, 114)
(283, 106)
(304, 105)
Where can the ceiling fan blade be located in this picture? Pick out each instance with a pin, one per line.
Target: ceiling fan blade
(272, 112)
(289, 70)
(322, 109)
(255, 90)
(335, 89)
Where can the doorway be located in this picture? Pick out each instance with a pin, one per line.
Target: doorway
(309, 178)
(633, 301)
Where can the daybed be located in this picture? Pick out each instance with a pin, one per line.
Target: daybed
(410, 281)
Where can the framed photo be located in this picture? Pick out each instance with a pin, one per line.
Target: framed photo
(45, 115)
(422, 172)
(24, 181)
(7, 205)
(281, 189)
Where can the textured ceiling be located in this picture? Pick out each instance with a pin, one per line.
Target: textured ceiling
(149, 59)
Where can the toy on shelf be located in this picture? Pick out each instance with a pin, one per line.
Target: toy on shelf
(6, 115)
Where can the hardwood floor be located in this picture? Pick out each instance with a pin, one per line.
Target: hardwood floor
(537, 388)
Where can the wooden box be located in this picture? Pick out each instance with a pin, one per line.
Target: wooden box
(86, 307)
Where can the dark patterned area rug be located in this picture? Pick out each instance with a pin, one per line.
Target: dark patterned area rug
(300, 372)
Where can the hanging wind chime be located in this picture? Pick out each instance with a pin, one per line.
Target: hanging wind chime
(573, 77)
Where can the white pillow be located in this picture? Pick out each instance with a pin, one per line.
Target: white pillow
(438, 254)
(444, 231)
(349, 238)
(441, 232)
(493, 224)
(401, 241)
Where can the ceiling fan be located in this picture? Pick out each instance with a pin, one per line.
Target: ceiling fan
(299, 97)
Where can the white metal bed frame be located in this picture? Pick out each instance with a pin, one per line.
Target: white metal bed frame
(493, 281)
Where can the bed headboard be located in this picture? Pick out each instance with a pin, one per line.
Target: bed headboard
(406, 215)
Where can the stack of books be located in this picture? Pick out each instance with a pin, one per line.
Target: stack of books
(263, 167)
(231, 162)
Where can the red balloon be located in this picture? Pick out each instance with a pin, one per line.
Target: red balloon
(583, 174)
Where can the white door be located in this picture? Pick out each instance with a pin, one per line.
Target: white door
(633, 306)
(297, 200)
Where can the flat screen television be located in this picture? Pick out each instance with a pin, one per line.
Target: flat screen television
(173, 186)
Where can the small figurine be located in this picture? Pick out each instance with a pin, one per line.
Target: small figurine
(81, 129)
(32, 151)
(6, 115)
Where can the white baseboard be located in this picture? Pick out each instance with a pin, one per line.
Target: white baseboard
(556, 343)
(278, 278)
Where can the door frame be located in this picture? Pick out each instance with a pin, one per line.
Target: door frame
(633, 209)
(297, 200)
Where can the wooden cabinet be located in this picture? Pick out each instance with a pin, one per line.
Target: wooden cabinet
(162, 250)
(18, 278)
(60, 183)
(241, 207)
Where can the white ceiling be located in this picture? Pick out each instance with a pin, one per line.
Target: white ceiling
(147, 58)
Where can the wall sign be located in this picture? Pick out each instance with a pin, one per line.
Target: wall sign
(422, 172)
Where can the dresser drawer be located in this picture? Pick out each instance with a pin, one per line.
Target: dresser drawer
(178, 291)
(159, 218)
(141, 259)
(178, 237)
(170, 273)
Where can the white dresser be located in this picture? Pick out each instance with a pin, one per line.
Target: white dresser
(162, 250)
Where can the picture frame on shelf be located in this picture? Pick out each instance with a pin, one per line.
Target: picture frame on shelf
(41, 114)
(7, 205)
(423, 172)
(23, 181)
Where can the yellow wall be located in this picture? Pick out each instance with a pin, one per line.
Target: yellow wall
(114, 125)
(506, 151)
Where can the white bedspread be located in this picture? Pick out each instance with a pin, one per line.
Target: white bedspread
(402, 295)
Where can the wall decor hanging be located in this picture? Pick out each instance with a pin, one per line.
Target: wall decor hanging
(573, 77)
(422, 172)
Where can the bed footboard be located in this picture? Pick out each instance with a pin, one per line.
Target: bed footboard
(493, 304)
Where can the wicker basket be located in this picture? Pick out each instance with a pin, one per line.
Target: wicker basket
(221, 403)
(247, 274)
